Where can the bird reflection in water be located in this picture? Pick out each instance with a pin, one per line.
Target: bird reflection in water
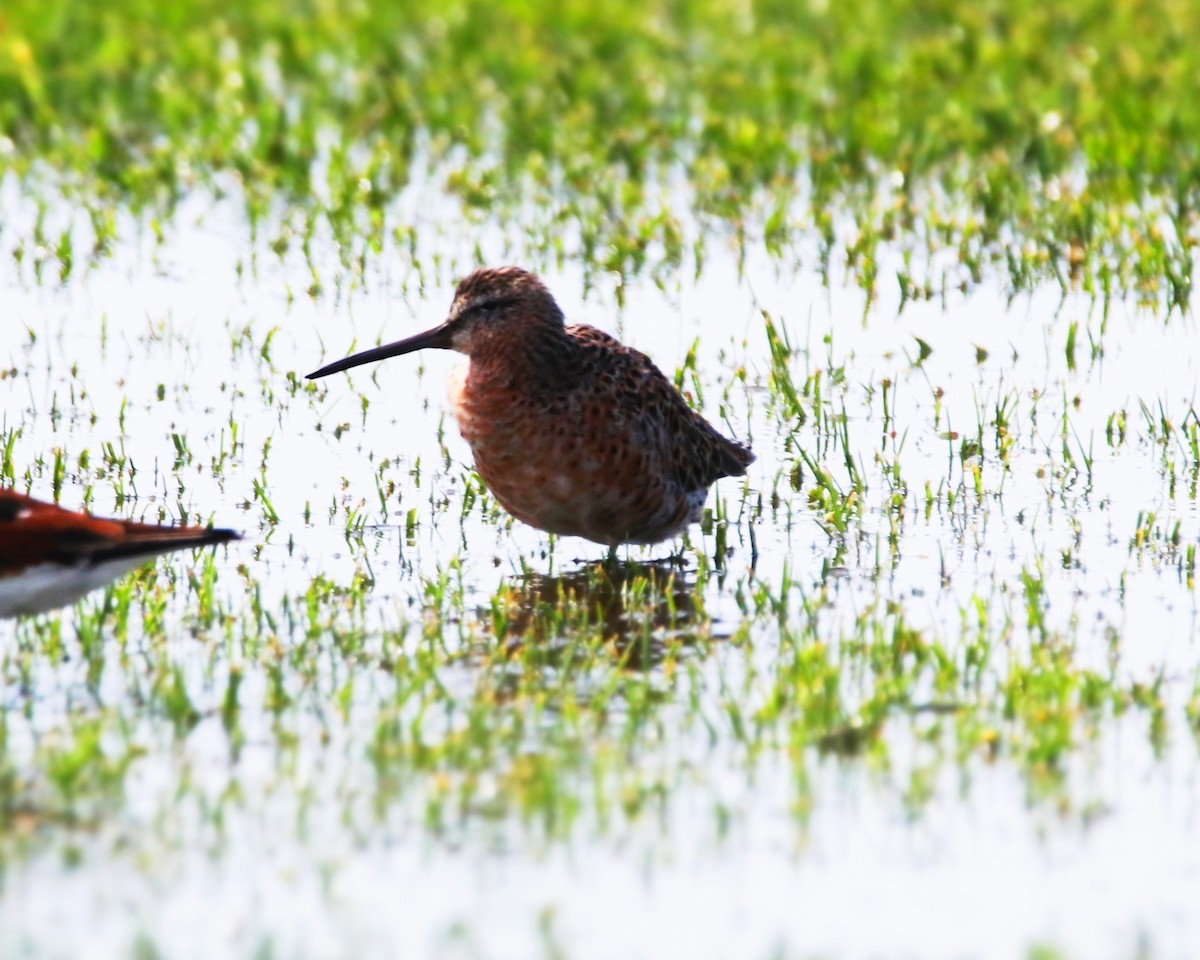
(636, 611)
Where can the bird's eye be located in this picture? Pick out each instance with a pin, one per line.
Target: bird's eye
(491, 306)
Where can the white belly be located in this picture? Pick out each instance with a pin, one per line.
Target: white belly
(51, 585)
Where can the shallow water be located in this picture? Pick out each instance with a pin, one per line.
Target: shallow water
(577, 798)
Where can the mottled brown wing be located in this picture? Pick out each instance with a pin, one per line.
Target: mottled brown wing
(697, 453)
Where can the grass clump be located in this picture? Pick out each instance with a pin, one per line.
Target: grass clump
(1032, 141)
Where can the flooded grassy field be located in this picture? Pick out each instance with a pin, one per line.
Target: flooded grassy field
(924, 683)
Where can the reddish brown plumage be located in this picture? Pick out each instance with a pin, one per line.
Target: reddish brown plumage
(572, 431)
(50, 556)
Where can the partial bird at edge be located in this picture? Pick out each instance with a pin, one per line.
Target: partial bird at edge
(50, 556)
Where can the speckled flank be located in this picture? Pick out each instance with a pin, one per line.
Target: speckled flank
(572, 431)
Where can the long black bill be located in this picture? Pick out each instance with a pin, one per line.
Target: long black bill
(439, 338)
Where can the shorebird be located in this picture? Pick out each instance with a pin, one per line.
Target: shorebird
(572, 431)
(50, 557)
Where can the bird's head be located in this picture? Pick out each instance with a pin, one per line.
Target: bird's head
(496, 302)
